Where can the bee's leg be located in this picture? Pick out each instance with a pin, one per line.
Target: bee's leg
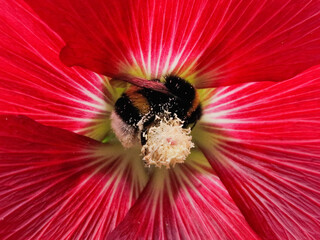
(143, 136)
(194, 124)
(187, 123)
(149, 119)
(195, 116)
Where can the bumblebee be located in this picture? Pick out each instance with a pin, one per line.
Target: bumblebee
(138, 108)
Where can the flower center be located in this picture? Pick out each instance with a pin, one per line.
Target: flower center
(159, 120)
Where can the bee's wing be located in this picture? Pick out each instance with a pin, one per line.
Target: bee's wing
(143, 83)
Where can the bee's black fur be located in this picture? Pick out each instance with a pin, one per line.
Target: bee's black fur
(178, 103)
(127, 111)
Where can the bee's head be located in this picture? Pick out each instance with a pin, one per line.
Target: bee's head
(180, 88)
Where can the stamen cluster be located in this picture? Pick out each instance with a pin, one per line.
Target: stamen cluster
(168, 143)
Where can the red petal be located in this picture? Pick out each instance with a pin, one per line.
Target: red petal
(55, 184)
(222, 42)
(188, 202)
(35, 83)
(265, 147)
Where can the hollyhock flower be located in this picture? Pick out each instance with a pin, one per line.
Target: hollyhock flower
(254, 170)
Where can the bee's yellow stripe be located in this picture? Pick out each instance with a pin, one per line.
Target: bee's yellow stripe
(195, 104)
(138, 100)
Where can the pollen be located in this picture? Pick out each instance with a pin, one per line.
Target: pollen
(167, 143)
